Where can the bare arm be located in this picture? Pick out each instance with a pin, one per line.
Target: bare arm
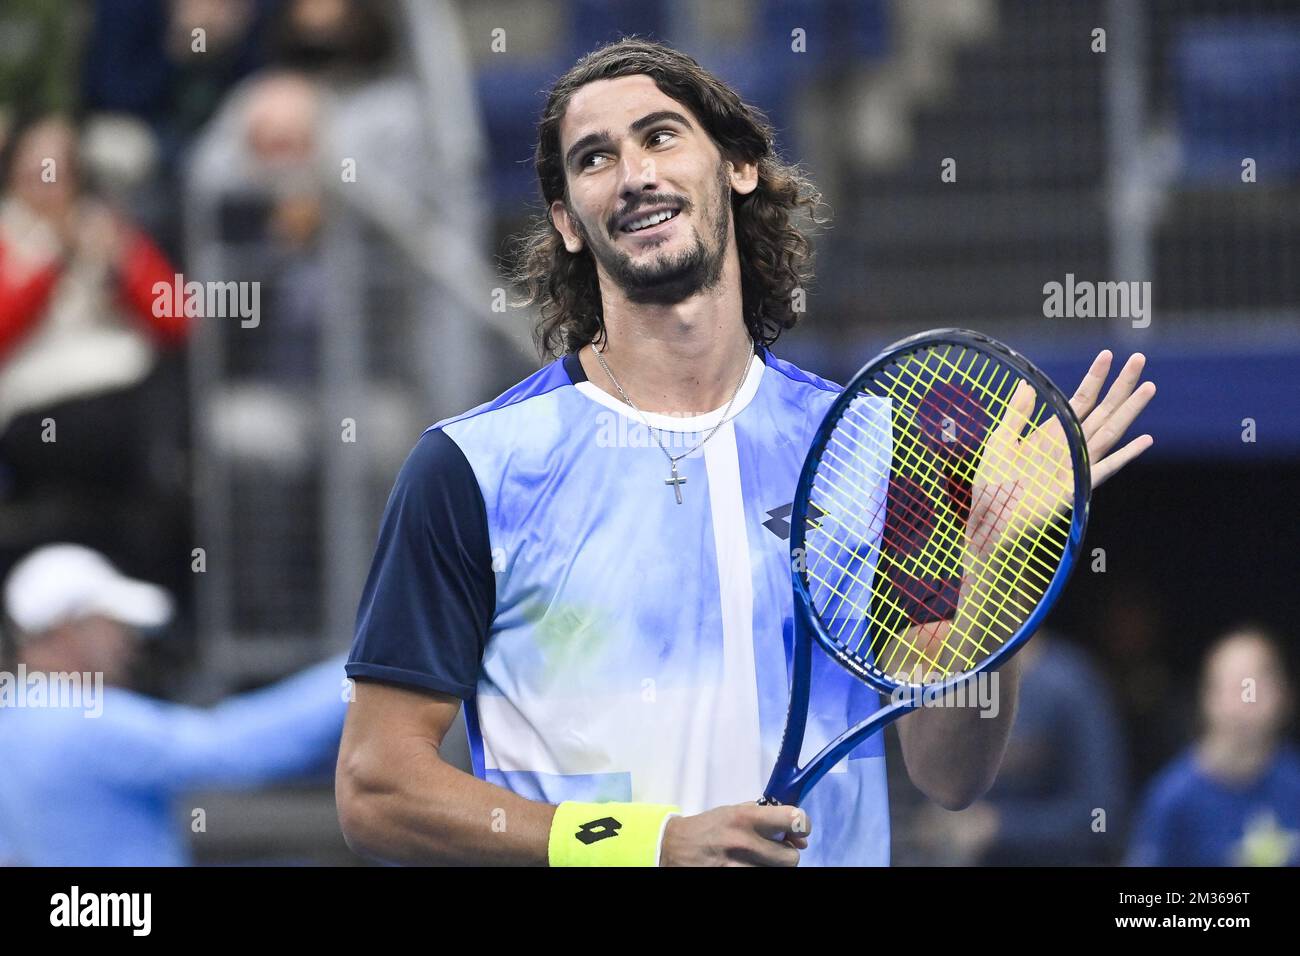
(400, 802)
(953, 753)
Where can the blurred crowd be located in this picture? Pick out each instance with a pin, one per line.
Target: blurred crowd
(114, 114)
(1227, 794)
(109, 112)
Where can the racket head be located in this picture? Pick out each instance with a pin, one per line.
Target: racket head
(913, 446)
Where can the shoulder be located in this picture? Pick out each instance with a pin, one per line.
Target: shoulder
(796, 397)
(789, 376)
(1174, 784)
(468, 456)
(543, 382)
(528, 414)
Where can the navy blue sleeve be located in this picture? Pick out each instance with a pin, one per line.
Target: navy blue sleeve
(430, 595)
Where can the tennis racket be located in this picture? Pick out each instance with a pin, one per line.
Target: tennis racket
(938, 515)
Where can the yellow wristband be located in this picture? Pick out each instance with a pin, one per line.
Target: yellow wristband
(608, 834)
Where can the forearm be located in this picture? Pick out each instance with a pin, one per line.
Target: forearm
(22, 306)
(284, 730)
(953, 753)
(143, 268)
(405, 804)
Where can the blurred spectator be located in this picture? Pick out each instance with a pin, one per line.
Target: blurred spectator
(169, 62)
(1233, 799)
(264, 151)
(159, 69)
(94, 781)
(80, 342)
(1064, 763)
(324, 179)
(68, 263)
(338, 39)
(345, 124)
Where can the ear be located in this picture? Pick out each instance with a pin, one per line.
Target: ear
(743, 177)
(560, 219)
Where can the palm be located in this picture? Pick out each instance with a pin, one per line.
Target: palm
(1021, 483)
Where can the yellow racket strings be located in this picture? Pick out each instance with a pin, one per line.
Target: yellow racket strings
(904, 467)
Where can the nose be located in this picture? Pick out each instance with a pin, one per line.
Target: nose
(636, 174)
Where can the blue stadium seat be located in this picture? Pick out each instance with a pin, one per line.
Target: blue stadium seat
(838, 34)
(511, 96)
(862, 27)
(838, 31)
(596, 22)
(762, 67)
(1238, 88)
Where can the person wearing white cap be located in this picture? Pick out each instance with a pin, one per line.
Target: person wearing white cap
(71, 610)
(92, 770)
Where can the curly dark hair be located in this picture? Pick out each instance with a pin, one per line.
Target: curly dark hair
(775, 253)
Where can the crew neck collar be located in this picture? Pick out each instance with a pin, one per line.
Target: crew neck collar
(672, 423)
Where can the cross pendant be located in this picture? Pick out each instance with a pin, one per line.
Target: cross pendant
(676, 482)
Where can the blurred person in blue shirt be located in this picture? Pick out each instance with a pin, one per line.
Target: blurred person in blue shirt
(1233, 798)
(90, 772)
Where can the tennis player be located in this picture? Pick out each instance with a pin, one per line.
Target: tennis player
(596, 563)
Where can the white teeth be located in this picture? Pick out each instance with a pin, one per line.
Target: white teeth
(651, 220)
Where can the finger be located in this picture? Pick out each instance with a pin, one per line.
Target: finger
(796, 841)
(1020, 406)
(1105, 437)
(1085, 396)
(761, 852)
(1014, 417)
(1118, 393)
(1045, 447)
(1112, 463)
(774, 823)
(802, 825)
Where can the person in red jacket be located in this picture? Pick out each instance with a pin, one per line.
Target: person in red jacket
(72, 272)
(82, 387)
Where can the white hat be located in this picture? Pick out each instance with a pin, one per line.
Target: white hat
(65, 582)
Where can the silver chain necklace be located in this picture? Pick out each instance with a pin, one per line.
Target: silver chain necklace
(676, 480)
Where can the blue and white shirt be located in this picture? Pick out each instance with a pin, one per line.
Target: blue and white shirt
(609, 643)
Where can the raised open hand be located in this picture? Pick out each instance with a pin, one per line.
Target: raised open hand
(1023, 480)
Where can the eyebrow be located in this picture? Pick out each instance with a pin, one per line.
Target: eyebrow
(604, 135)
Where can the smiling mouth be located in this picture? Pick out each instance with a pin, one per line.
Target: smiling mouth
(649, 221)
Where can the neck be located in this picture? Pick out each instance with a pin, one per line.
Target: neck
(681, 359)
(1232, 759)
